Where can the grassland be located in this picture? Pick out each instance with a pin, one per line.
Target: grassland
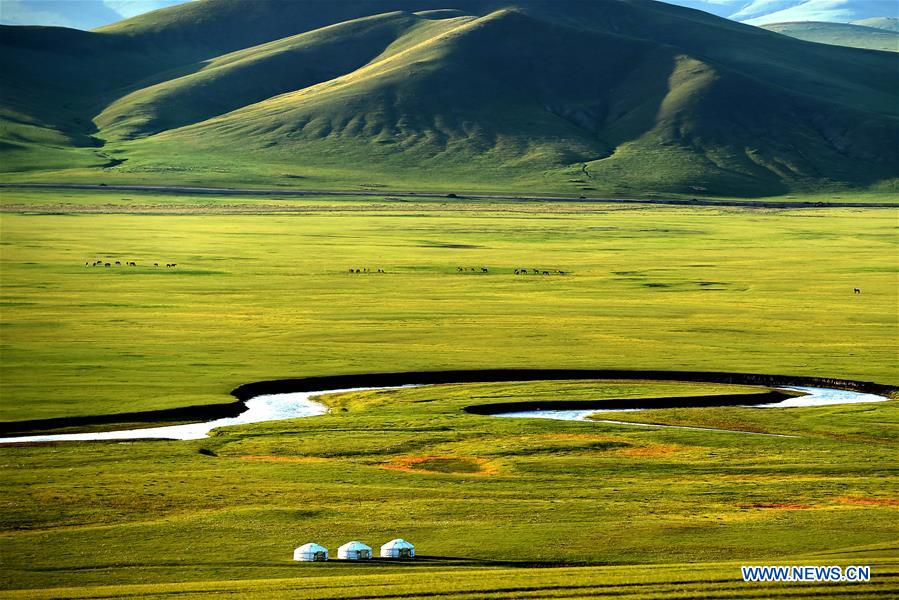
(661, 582)
(267, 296)
(515, 508)
(485, 499)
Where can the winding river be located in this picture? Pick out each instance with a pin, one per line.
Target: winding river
(276, 407)
(809, 396)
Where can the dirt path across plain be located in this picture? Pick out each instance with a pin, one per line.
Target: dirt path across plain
(186, 190)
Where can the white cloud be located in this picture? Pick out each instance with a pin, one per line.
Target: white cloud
(759, 12)
(810, 10)
(757, 8)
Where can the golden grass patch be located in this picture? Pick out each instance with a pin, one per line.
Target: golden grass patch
(778, 505)
(455, 465)
(654, 450)
(867, 501)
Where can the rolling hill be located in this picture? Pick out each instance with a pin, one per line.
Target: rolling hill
(888, 23)
(609, 96)
(840, 34)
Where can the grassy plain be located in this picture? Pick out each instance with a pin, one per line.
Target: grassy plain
(660, 582)
(267, 296)
(493, 497)
(262, 291)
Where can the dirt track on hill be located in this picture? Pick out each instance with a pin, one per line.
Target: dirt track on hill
(449, 195)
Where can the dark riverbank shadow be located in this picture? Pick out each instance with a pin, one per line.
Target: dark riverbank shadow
(327, 383)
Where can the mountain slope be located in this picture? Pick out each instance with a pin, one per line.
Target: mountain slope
(610, 96)
(475, 91)
(840, 34)
(539, 107)
(54, 81)
(223, 25)
(248, 76)
(887, 23)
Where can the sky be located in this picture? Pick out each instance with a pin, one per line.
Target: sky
(761, 12)
(80, 14)
(88, 14)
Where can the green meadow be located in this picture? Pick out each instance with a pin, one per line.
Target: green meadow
(266, 296)
(497, 508)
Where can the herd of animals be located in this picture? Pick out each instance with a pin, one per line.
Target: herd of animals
(101, 263)
(118, 263)
(517, 271)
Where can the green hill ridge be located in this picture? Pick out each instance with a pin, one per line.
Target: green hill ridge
(254, 74)
(841, 34)
(605, 97)
(888, 23)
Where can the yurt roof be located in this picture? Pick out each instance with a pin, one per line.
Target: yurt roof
(312, 547)
(354, 545)
(397, 543)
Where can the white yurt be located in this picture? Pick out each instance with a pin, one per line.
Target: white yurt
(398, 548)
(311, 552)
(354, 551)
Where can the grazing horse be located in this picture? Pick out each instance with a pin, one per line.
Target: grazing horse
(484, 270)
(155, 264)
(546, 272)
(857, 291)
(106, 265)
